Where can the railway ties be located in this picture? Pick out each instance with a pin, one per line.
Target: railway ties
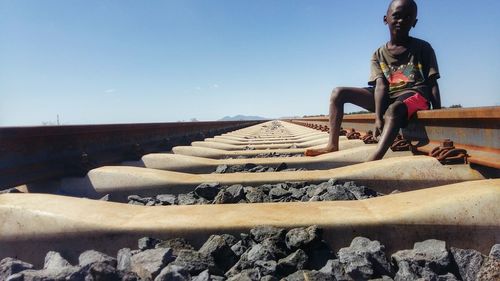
(453, 203)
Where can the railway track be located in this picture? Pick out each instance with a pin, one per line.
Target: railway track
(413, 197)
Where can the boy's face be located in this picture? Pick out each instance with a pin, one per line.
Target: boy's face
(401, 17)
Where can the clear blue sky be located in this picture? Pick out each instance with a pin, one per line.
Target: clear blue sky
(127, 61)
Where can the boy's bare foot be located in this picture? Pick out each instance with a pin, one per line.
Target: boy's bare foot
(319, 151)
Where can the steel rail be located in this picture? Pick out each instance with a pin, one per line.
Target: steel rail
(476, 130)
(33, 154)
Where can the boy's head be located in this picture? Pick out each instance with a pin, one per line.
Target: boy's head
(401, 16)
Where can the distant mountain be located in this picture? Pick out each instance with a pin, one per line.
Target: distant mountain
(242, 117)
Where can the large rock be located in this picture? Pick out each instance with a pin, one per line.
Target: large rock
(360, 192)
(142, 200)
(258, 234)
(147, 264)
(293, 262)
(54, 260)
(224, 197)
(278, 193)
(266, 187)
(195, 262)
(221, 169)
(151, 201)
(123, 257)
(208, 190)
(364, 259)
(468, 262)
(187, 199)
(91, 256)
(218, 247)
(335, 269)
(10, 266)
(237, 192)
(270, 249)
(337, 192)
(242, 245)
(302, 237)
(260, 252)
(166, 199)
(276, 246)
(427, 259)
(173, 273)
(255, 195)
(136, 199)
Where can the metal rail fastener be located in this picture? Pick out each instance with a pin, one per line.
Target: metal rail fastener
(448, 154)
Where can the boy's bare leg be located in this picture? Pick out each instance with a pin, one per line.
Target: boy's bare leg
(395, 115)
(340, 96)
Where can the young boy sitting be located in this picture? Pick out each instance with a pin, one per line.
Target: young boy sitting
(403, 80)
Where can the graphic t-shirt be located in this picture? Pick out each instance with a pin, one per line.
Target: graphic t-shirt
(410, 70)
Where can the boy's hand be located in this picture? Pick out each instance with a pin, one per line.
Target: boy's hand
(379, 126)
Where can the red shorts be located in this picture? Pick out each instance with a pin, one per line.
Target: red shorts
(415, 103)
(413, 100)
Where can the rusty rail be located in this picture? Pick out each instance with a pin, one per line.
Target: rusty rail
(32, 154)
(476, 130)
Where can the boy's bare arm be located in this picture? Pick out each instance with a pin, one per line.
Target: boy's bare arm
(435, 95)
(381, 99)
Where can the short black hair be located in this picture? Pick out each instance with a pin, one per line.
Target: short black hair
(412, 3)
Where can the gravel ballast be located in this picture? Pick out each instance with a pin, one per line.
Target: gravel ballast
(265, 253)
(270, 154)
(215, 193)
(253, 168)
